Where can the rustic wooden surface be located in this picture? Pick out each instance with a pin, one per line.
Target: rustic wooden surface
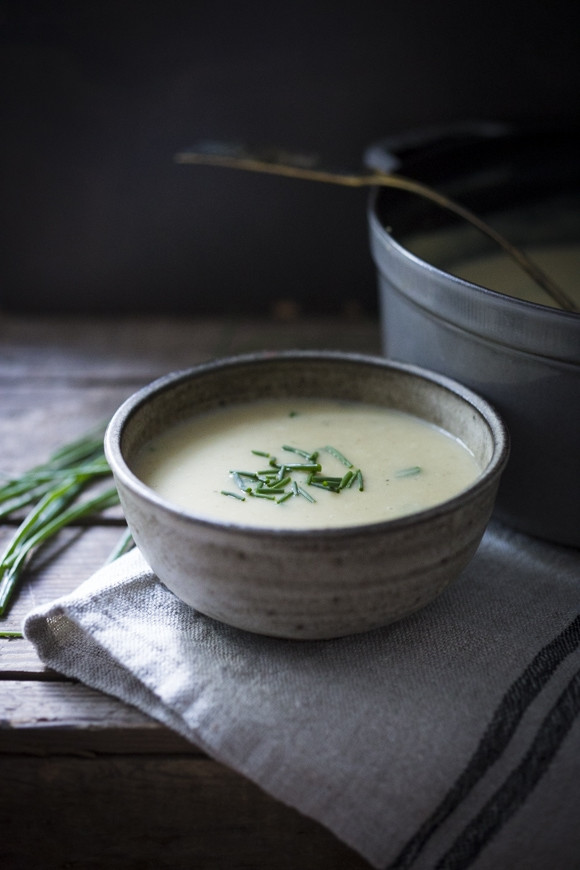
(86, 781)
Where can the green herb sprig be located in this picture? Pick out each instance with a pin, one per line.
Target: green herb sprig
(51, 492)
(413, 471)
(278, 482)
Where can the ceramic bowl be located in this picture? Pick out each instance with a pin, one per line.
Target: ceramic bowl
(300, 583)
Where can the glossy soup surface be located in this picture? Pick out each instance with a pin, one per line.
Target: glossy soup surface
(500, 272)
(406, 464)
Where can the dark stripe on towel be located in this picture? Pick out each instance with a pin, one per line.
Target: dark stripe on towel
(519, 784)
(496, 737)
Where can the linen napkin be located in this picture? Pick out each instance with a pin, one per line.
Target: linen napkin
(450, 739)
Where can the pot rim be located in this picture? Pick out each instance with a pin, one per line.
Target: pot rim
(536, 329)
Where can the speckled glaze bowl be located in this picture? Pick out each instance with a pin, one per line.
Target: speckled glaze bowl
(307, 584)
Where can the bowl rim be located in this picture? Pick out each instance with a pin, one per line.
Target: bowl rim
(132, 405)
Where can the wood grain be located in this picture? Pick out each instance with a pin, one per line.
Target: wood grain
(163, 813)
(137, 349)
(78, 720)
(88, 781)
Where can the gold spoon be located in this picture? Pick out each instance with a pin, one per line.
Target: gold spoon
(306, 166)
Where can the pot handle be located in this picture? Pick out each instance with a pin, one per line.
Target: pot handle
(390, 154)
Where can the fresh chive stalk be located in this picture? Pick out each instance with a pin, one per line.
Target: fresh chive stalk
(123, 545)
(52, 493)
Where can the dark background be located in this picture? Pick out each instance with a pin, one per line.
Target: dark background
(98, 97)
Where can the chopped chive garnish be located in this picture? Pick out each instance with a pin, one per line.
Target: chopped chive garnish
(409, 472)
(280, 484)
(338, 455)
(305, 494)
(323, 478)
(347, 479)
(324, 484)
(303, 466)
(251, 475)
(306, 454)
(277, 483)
(233, 494)
(354, 477)
(239, 481)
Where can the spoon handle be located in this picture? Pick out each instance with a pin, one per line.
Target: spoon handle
(276, 161)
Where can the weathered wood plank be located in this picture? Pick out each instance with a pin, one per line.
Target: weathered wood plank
(78, 348)
(19, 661)
(58, 378)
(43, 405)
(141, 348)
(67, 718)
(88, 781)
(152, 813)
(354, 334)
(35, 420)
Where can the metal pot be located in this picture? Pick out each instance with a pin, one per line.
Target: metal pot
(523, 357)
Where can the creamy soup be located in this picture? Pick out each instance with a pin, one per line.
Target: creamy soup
(500, 272)
(305, 464)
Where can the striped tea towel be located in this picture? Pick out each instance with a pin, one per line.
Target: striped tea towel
(449, 740)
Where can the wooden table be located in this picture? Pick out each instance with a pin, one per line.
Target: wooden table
(87, 781)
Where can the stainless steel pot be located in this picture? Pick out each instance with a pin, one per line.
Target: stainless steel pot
(521, 356)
